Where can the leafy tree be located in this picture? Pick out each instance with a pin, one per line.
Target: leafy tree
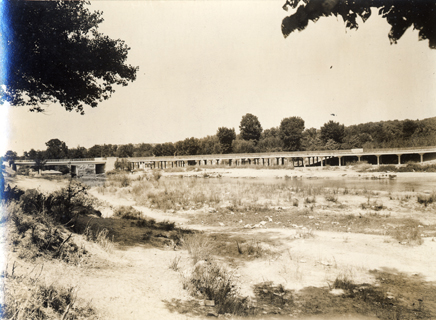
(96, 151)
(210, 145)
(332, 145)
(409, 127)
(250, 127)
(332, 131)
(143, 150)
(40, 161)
(270, 144)
(56, 54)
(10, 156)
(291, 132)
(189, 146)
(272, 132)
(311, 140)
(56, 149)
(401, 15)
(243, 146)
(78, 153)
(124, 151)
(166, 149)
(226, 137)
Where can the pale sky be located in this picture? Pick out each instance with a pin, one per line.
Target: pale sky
(205, 64)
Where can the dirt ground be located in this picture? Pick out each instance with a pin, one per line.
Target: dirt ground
(137, 283)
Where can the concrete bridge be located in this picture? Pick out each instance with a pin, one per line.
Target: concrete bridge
(287, 159)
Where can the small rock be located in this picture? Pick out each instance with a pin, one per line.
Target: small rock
(221, 224)
(262, 223)
(248, 226)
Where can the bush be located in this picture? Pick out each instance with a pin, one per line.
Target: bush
(426, 200)
(212, 281)
(27, 298)
(122, 164)
(35, 235)
(127, 212)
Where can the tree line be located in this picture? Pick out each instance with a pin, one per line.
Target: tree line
(290, 135)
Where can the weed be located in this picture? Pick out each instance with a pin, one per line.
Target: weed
(27, 297)
(408, 234)
(211, 280)
(331, 198)
(199, 247)
(174, 265)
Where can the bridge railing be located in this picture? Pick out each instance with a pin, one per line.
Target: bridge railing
(58, 160)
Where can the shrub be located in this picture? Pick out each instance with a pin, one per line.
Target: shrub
(213, 281)
(122, 164)
(409, 234)
(27, 298)
(199, 247)
(127, 212)
(426, 200)
(36, 235)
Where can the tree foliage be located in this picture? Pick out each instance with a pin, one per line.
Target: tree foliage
(226, 137)
(333, 131)
(291, 132)
(250, 127)
(56, 54)
(56, 149)
(400, 14)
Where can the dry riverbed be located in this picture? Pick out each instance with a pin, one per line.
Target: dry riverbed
(293, 250)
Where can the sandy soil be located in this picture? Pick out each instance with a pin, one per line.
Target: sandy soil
(141, 284)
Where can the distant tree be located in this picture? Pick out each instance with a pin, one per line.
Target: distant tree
(311, 140)
(30, 155)
(168, 149)
(210, 145)
(56, 54)
(272, 132)
(332, 131)
(291, 132)
(243, 146)
(10, 156)
(56, 149)
(189, 146)
(332, 145)
(96, 151)
(409, 127)
(269, 144)
(124, 151)
(226, 137)
(110, 150)
(40, 161)
(78, 153)
(250, 128)
(400, 14)
(157, 150)
(143, 150)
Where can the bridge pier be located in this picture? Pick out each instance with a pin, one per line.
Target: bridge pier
(421, 155)
(399, 158)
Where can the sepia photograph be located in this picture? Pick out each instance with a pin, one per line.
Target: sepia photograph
(197, 159)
